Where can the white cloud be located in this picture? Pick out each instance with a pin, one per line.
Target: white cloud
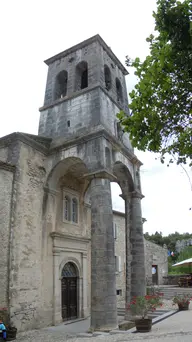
(35, 30)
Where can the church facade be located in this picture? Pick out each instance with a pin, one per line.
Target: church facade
(58, 248)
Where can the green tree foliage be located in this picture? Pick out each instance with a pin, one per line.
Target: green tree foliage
(161, 103)
(169, 241)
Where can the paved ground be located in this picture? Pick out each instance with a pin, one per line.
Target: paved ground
(173, 329)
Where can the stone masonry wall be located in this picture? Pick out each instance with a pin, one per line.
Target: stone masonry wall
(119, 221)
(26, 266)
(155, 255)
(6, 182)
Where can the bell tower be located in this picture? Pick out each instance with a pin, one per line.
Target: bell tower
(85, 90)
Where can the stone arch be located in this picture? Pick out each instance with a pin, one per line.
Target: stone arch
(81, 76)
(73, 261)
(119, 90)
(60, 90)
(74, 165)
(124, 177)
(107, 74)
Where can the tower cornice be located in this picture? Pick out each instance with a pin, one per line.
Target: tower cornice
(96, 38)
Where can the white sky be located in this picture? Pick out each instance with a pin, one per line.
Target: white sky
(32, 31)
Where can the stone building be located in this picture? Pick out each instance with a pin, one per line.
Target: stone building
(48, 182)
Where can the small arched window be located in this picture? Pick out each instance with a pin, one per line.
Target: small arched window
(67, 208)
(74, 210)
(119, 91)
(61, 85)
(107, 73)
(81, 77)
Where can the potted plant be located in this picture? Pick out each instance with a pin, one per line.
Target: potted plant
(11, 331)
(182, 301)
(141, 306)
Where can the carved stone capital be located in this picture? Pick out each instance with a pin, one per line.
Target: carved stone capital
(133, 194)
(136, 194)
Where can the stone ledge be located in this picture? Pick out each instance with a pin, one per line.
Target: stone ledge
(60, 235)
(34, 141)
(7, 166)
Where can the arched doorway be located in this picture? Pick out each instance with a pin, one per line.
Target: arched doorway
(69, 291)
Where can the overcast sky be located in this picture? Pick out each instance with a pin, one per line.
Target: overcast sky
(32, 31)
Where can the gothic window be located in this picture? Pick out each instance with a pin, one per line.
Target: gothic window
(61, 85)
(81, 77)
(119, 91)
(107, 77)
(67, 207)
(74, 210)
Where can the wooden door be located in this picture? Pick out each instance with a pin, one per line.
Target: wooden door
(69, 298)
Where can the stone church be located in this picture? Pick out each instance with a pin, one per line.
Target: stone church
(57, 258)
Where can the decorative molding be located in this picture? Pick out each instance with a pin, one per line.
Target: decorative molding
(58, 235)
(79, 93)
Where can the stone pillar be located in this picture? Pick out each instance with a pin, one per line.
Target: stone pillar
(56, 288)
(128, 256)
(138, 279)
(103, 277)
(85, 287)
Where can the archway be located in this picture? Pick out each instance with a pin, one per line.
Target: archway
(69, 292)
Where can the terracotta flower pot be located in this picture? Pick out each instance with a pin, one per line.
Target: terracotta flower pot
(184, 306)
(143, 325)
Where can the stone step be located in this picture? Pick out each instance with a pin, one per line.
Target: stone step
(121, 312)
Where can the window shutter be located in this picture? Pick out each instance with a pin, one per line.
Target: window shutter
(117, 263)
(114, 230)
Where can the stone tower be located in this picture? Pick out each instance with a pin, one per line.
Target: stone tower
(79, 150)
(85, 90)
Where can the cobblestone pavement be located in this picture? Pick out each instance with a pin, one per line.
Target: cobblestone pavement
(172, 329)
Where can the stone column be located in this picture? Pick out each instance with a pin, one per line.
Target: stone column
(128, 255)
(103, 277)
(85, 287)
(138, 280)
(56, 287)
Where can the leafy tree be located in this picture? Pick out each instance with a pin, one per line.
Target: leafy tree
(169, 241)
(161, 103)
